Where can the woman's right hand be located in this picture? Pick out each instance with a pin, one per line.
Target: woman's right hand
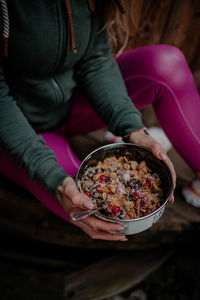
(72, 200)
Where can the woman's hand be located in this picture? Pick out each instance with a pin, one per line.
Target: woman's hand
(141, 138)
(72, 200)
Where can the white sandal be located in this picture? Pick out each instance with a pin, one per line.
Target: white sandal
(191, 193)
(158, 134)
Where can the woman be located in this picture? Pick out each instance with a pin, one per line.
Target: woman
(57, 74)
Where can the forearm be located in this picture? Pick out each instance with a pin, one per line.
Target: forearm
(100, 77)
(22, 144)
(108, 96)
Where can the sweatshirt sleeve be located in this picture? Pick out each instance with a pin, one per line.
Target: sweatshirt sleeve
(99, 76)
(22, 144)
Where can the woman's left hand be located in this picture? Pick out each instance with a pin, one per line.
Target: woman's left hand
(142, 139)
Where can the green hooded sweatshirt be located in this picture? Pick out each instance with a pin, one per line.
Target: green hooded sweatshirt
(38, 77)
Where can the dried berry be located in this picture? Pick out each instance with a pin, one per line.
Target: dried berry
(107, 179)
(116, 183)
(88, 194)
(149, 179)
(116, 209)
(136, 184)
(88, 187)
(97, 195)
(144, 202)
(155, 176)
(112, 215)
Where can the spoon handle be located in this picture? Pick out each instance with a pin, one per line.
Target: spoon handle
(83, 214)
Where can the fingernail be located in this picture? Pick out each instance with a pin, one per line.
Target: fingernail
(162, 156)
(87, 204)
(119, 227)
(124, 240)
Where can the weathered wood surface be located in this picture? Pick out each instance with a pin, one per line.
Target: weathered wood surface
(30, 277)
(113, 275)
(23, 216)
(174, 22)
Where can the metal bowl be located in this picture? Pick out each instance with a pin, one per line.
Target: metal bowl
(138, 153)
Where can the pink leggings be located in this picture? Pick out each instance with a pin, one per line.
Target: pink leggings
(157, 75)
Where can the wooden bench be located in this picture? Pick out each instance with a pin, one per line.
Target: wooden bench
(23, 217)
(111, 273)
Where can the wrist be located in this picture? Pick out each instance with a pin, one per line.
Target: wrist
(128, 136)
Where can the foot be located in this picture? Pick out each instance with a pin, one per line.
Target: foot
(111, 138)
(191, 193)
(158, 134)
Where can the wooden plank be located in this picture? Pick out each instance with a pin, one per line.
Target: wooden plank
(23, 282)
(67, 276)
(183, 26)
(150, 22)
(174, 22)
(22, 215)
(183, 32)
(113, 275)
(12, 255)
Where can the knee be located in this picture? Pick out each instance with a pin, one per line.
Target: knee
(63, 152)
(162, 62)
(170, 66)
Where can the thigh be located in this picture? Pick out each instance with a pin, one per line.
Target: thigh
(82, 118)
(142, 70)
(66, 159)
(149, 70)
(160, 75)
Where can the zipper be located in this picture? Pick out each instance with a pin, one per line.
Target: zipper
(58, 90)
(63, 24)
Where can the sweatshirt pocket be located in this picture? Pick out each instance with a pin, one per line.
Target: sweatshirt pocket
(40, 97)
(58, 91)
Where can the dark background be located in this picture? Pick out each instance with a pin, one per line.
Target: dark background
(37, 249)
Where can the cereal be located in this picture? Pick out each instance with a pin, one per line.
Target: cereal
(124, 189)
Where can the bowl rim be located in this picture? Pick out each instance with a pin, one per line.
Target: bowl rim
(116, 145)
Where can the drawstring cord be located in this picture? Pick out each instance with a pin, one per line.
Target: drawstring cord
(70, 27)
(5, 21)
(71, 34)
(91, 4)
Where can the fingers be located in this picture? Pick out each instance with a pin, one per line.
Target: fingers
(171, 167)
(168, 161)
(69, 189)
(101, 235)
(82, 201)
(163, 155)
(96, 228)
(98, 224)
(158, 151)
(171, 199)
(147, 141)
(156, 148)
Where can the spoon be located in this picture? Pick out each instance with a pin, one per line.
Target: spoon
(84, 214)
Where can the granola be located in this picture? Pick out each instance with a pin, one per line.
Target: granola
(124, 189)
